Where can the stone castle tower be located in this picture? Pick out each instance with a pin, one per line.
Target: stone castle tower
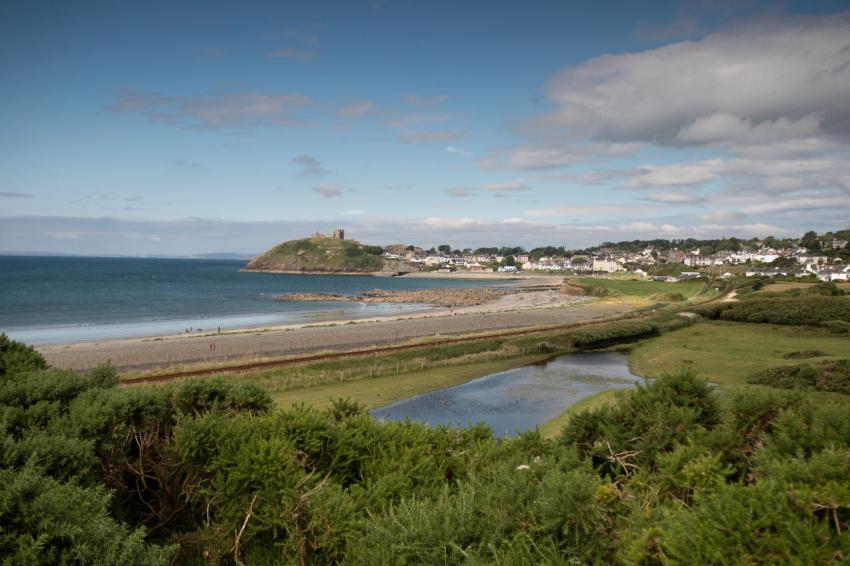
(339, 234)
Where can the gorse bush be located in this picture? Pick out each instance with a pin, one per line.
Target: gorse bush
(16, 357)
(204, 472)
(612, 333)
(802, 310)
(825, 376)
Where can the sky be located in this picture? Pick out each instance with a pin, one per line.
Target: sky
(169, 128)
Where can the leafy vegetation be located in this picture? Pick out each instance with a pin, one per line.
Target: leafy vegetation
(804, 354)
(802, 310)
(320, 254)
(612, 333)
(206, 472)
(825, 376)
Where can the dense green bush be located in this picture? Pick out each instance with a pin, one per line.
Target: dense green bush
(45, 521)
(825, 376)
(804, 354)
(204, 472)
(826, 288)
(802, 310)
(612, 333)
(15, 357)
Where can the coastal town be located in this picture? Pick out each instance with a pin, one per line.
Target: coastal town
(823, 258)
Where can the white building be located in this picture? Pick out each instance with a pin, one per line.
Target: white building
(606, 264)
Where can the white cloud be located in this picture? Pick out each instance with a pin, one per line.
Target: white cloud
(357, 109)
(778, 77)
(497, 189)
(423, 101)
(722, 216)
(353, 212)
(458, 151)
(430, 137)
(673, 197)
(215, 111)
(677, 174)
(580, 211)
(800, 204)
(530, 157)
(309, 165)
(198, 235)
(327, 191)
(722, 126)
(291, 53)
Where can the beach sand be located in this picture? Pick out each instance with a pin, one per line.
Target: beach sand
(510, 311)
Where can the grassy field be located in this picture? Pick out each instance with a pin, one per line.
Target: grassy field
(644, 289)
(782, 286)
(379, 391)
(553, 428)
(726, 353)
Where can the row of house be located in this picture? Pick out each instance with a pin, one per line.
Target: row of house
(613, 260)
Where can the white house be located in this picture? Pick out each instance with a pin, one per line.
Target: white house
(606, 264)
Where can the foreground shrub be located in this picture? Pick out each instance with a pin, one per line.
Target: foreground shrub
(93, 474)
(766, 523)
(645, 423)
(48, 522)
(17, 357)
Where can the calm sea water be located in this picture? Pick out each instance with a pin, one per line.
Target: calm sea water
(62, 299)
(519, 399)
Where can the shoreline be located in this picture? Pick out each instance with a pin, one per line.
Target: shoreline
(245, 344)
(403, 309)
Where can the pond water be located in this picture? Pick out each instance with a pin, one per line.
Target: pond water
(519, 399)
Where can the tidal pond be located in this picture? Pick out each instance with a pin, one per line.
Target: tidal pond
(518, 399)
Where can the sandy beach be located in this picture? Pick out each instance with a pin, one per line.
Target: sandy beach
(518, 310)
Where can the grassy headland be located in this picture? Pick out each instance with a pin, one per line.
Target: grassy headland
(319, 254)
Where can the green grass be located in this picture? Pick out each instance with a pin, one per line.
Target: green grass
(727, 353)
(644, 289)
(319, 254)
(553, 428)
(380, 391)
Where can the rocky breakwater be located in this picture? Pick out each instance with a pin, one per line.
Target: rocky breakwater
(450, 297)
(437, 297)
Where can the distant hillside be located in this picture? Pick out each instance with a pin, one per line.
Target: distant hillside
(321, 254)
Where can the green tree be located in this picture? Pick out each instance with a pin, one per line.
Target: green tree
(810, 241)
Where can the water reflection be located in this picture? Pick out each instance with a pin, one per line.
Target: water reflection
(519, 399)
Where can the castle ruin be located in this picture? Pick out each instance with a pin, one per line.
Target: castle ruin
(338, 234)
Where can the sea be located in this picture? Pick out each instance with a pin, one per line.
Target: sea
(55, 300)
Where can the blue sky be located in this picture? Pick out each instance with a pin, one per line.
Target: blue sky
(179, 128)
